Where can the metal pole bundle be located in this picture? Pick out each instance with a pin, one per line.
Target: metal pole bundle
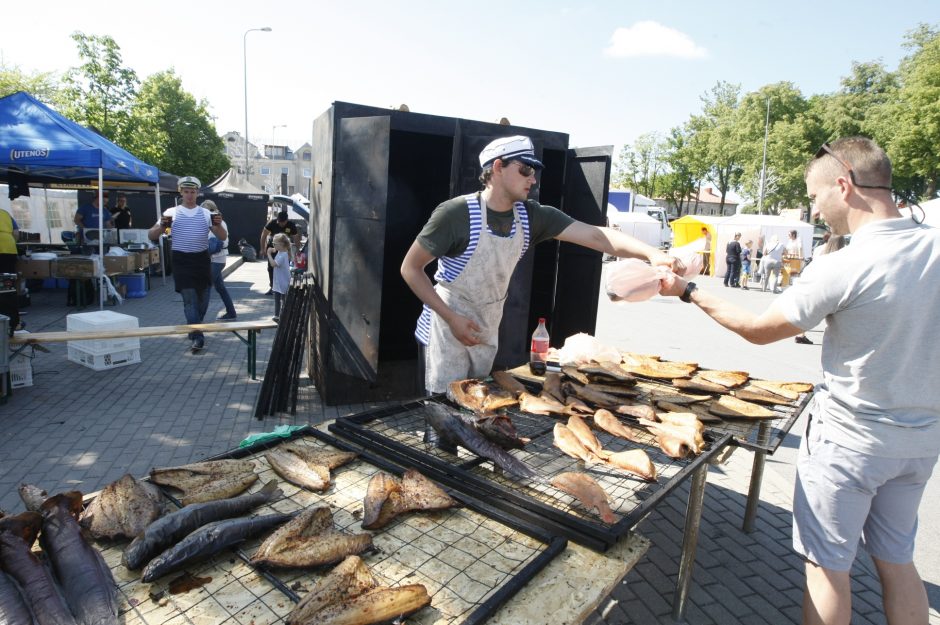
(281, 377)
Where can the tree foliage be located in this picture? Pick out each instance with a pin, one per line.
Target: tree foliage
(173, 131)
(43, 86)
(100, 92)
(640, 166)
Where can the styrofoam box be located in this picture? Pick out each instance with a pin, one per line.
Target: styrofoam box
(99, 321)
(103, 362)
(21, 371)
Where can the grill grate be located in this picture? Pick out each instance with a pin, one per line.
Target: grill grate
(471, 563)
(399, 432)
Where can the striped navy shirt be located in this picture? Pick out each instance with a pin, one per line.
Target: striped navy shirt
(448, 268)
(191, 229)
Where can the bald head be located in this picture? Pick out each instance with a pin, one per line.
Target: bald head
(869, 164)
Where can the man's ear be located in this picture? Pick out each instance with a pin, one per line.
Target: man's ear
(845, 187)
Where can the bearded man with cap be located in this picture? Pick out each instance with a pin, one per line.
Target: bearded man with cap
(477, 240)
(192, 268)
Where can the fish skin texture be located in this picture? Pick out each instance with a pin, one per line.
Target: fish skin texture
(123, 508)
(205, 481)
(348, 579)
(309, 540)
(388, 497)
(587, 491)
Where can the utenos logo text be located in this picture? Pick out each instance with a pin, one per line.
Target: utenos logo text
(33, 153)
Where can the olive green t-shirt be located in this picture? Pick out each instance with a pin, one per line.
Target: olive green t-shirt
(447, 232)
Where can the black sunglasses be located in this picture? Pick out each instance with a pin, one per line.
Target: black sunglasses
(825, 149)
(525, 170)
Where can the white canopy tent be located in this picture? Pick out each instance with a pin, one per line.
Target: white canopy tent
(639, 225)
(759, 229)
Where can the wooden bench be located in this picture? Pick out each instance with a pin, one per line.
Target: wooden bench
(251, 327)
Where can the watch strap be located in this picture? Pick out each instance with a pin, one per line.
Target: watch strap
(687, 294)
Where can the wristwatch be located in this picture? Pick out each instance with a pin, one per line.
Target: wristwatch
(687, 294)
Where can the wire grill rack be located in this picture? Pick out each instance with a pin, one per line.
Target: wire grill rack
(471, 563)
(399, 431)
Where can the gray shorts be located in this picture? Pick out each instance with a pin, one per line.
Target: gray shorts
(843, 497)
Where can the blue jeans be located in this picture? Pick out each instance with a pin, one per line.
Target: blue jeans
(219, 283)
(195, 304)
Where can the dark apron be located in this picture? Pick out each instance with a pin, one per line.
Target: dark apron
(192, 270)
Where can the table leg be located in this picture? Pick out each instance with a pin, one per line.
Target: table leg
(252, 355)
(693, 518)
(757, 476)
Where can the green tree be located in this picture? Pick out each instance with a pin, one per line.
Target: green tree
(908, 126)
(43, 86)
(685, 168)
(639, 166)
(175, 132)
(100, 92)
(844, 113)
(716, 137)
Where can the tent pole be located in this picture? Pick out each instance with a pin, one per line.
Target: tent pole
(156, 197)
(45, 197)
(103, 277)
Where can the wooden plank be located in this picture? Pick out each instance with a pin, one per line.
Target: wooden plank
(60, 337)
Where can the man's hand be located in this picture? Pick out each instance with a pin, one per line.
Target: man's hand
(662, 259)
(465, 330)
(672, 285)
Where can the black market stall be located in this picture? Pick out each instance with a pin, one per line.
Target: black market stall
(244, 207)
(378, 175)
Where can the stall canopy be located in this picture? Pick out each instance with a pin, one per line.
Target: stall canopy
(40, 145)
(244, 206)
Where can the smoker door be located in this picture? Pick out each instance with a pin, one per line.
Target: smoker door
(360, 197)
(587, 178)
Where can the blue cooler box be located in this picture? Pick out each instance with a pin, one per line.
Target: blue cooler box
(135, 283)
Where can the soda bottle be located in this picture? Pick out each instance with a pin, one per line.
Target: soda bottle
(539, 352)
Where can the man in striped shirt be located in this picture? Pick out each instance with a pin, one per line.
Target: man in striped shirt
(192, 267)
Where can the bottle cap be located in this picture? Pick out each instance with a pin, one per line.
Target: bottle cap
(541, 319)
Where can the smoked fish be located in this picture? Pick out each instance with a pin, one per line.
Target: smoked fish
(122, 509)
(350, 578)
(388, 497)
(587, 491)
(309, 540)
(205, 481)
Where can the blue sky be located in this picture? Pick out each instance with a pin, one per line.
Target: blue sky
(604, 71)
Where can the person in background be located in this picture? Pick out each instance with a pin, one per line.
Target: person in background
(9, 234)
(821, 248)
(87, 215)
(746, 263)
(218, 264)
(794, 247)
(733, 260)
(277, 226)
(279, 262)
(770, 264)
(192, 268)
(121, 215)
(477, 240)
(707, 256)
(873, 433)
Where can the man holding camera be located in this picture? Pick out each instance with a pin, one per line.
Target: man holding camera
(192, 268)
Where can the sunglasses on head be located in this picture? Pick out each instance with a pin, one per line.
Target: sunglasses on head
(825, 149)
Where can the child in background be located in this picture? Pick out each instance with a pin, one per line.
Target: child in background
(746, 263)
(279, 259)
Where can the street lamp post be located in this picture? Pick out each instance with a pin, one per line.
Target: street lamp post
(266, 29)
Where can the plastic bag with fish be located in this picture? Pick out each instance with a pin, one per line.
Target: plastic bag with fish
(690, 256)
(583, 348)
(632, 280)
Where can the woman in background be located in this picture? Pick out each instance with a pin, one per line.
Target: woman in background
(279, 260)
(218, 265)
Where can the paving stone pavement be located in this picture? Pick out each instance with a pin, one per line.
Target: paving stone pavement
(80, 429)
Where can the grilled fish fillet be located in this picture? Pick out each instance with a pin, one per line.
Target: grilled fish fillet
(636, 461)
(349, 579)
(374, 606)
(541, 405)
(728, 379)
(790, 390)
(677, 397)
(682, 419)
(590, 394)
(508, 382)
(610, 370)
(297, 471)
(752, 392)
(605, 420)
(565, 440)
(388, 497)
(309, 540)
(638, 411)
(698, 383)
(205, 481)
(689, 435)
(576, 404)
(552, 386)
(660, 369)
(583, 432)
(478, 396)
(727, 406)
(587, 491)
(122, 508)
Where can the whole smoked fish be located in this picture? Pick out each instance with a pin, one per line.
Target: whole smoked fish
(309, 540)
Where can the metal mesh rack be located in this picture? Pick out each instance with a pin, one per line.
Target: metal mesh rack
(470, 558)
(399, 432)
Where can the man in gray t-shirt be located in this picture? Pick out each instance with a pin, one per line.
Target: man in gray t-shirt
(874, 432)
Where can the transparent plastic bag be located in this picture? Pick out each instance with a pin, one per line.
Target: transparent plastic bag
(632, 280)
(691, 256)
(582, 348)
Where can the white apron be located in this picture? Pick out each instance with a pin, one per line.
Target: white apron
(478, 292)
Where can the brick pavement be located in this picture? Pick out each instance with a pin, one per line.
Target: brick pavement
(80, 429)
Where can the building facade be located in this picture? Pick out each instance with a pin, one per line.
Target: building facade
(274, 168)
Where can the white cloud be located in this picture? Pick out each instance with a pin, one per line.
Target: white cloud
(649, 38)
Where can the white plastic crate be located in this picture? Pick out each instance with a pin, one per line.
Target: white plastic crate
(100, 321)
(21, 372)
(102, 362)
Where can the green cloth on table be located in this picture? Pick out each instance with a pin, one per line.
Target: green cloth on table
(281, 431)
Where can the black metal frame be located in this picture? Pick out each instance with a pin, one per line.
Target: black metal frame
(472, 476)
(554, 544)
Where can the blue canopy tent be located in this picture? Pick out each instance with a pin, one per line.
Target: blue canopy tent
(41, 147)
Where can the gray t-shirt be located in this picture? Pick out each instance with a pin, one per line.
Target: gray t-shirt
(880, 298)
(447, 232)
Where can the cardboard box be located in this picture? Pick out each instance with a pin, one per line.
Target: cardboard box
(120, 264)
(74, 267)
(34, 268)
